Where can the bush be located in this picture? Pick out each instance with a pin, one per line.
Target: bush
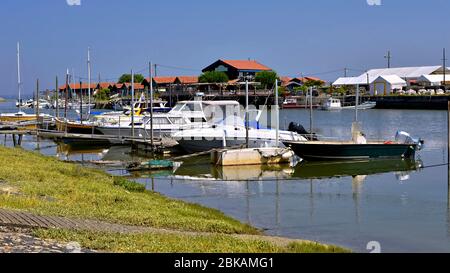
(266, 78)
(129, 185)
(213, 77)
(102, 95)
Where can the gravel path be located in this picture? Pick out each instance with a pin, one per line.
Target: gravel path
(20, 240)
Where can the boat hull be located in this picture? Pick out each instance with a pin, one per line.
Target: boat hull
(203, 144)
(338, 151)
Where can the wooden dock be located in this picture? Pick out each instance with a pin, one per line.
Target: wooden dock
(70, 138)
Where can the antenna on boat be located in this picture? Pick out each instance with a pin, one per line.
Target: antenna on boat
(19, 82)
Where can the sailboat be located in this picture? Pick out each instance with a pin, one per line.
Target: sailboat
(19, 117)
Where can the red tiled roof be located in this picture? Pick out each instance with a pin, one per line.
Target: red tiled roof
(137, 86)
(188, 79)
(308, 78)
(106, 84)
(163, 79)
(77, 86)
(246, 65)
(285, 79)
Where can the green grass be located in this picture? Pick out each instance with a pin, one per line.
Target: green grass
(50, 187)
(46, 186)
(129, 185)
(174, 243)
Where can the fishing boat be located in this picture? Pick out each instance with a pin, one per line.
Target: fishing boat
(291, 103)
(333, 104)
(76, 127)
(349, 150)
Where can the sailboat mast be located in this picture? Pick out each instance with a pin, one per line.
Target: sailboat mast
(19, 80)
(89, 80)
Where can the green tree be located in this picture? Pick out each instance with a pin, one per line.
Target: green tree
(266, 78)
(102, 95)
(126, 78)
(315, 83)
(213, 77)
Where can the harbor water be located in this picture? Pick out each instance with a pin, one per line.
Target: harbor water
(402, 205)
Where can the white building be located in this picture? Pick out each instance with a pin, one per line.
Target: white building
(406, 73)
(433, 80)
(385, 85)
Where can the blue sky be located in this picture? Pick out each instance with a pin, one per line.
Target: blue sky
(309, 36)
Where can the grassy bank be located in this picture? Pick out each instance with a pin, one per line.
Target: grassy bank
(46, 186)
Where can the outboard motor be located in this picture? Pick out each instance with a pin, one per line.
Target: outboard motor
(405, 138)
(299, 129)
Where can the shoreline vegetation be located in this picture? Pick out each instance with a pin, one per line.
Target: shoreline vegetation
(42, 185)
(2, 100)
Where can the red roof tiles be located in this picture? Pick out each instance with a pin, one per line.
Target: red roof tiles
(246, 65)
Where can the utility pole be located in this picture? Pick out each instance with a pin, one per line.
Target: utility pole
(156, 71)
(388, 57)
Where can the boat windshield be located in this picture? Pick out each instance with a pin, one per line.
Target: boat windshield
(178, 107)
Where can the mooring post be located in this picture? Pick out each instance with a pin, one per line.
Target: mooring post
(20, 140)
(448, 153)
(14, 140)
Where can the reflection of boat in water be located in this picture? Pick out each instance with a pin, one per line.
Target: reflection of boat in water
(204, 170)
(68, 149)
(328, 169)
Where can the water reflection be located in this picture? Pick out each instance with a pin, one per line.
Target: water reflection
(359, 170)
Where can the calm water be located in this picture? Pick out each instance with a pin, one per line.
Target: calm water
(403, 207)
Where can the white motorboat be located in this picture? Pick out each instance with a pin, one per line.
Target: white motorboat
(229, 135)
(185, 115)
(333, 104)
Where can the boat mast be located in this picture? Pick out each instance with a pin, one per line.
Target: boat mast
(357, 103)
(89, 80)
(277, 115)
(19, 83)
(151, 105)
(132, 103)
(247, 119)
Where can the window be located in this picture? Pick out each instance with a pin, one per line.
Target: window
(177, 121)
(160, 121)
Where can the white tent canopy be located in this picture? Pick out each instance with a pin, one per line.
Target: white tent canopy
(433, 80)
(386, 84)
(405, 73)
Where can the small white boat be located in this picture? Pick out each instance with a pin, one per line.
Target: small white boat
(333, 104)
